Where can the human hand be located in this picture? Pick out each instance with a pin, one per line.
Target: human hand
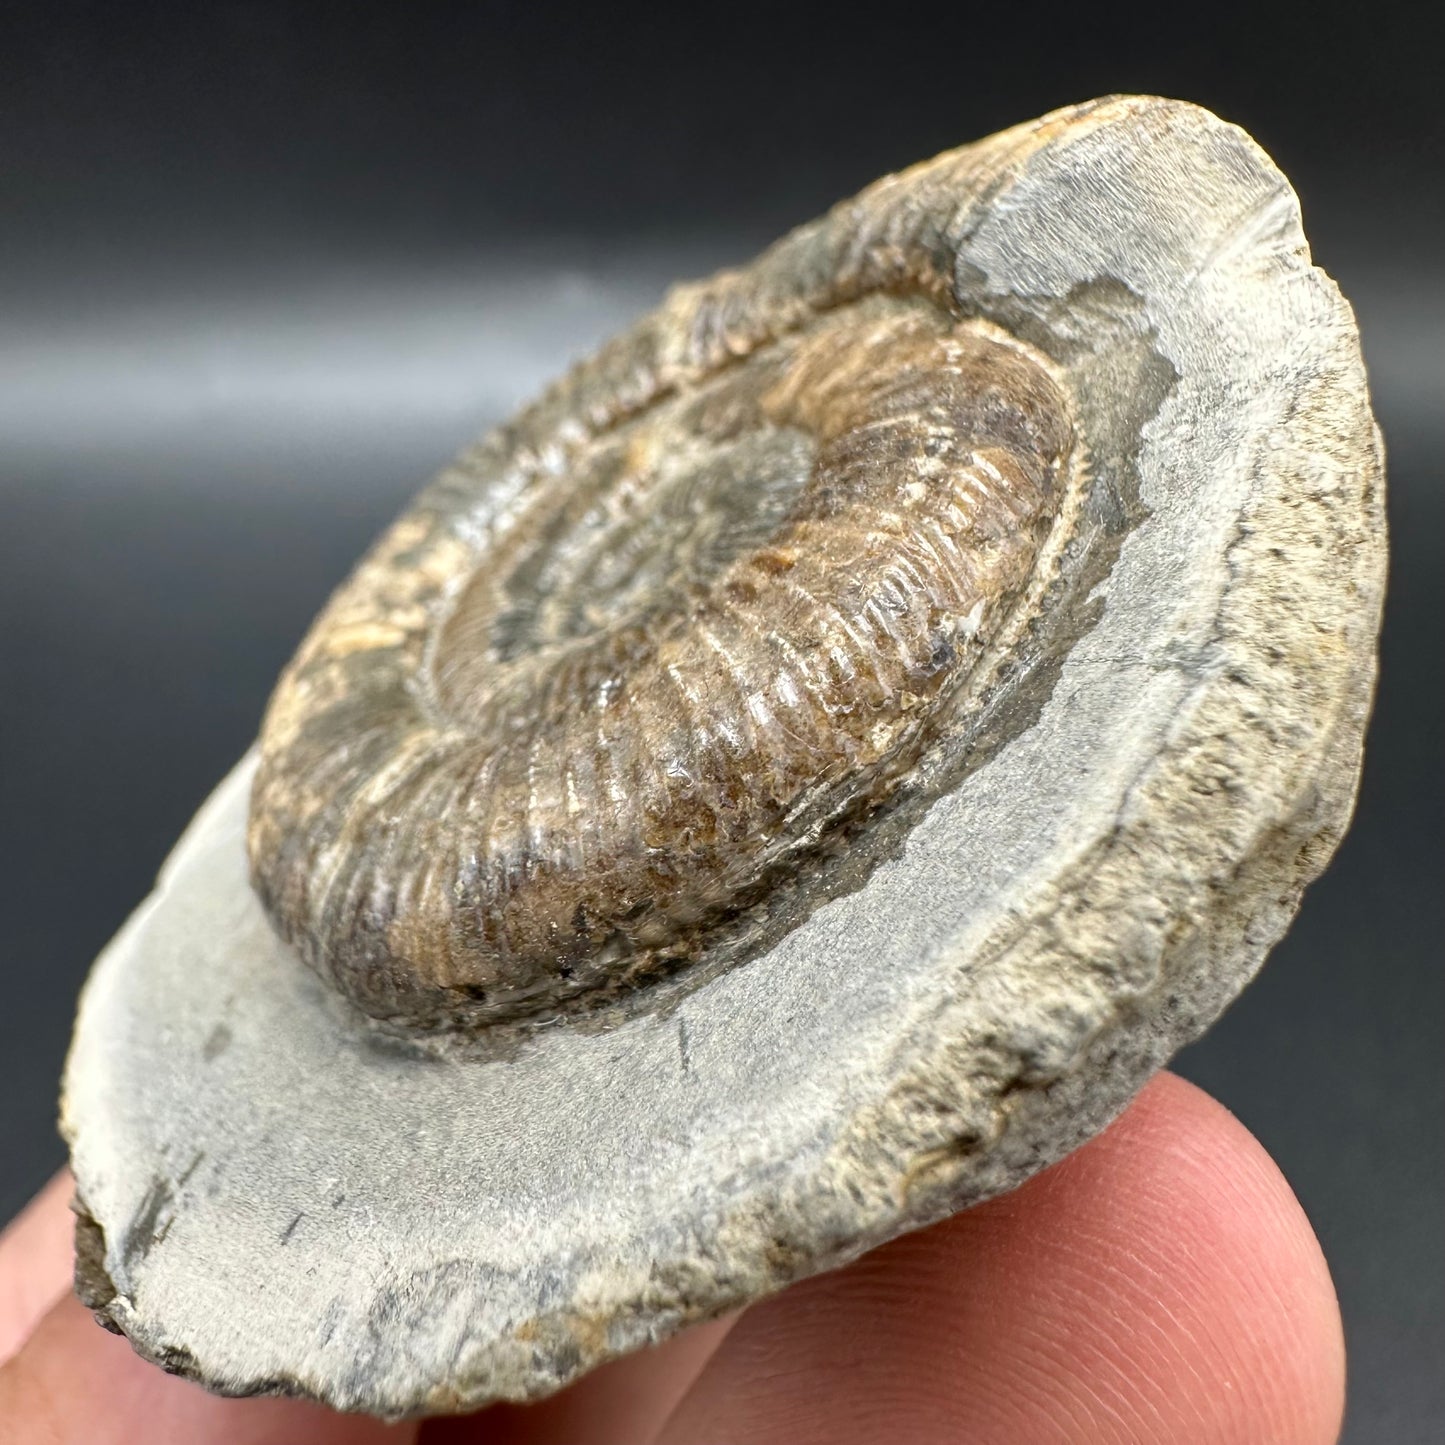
(1160, 1285)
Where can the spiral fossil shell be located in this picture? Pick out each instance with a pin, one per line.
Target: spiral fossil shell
(797, 779)
(559, 745)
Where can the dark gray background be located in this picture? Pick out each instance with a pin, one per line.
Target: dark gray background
(263, 268)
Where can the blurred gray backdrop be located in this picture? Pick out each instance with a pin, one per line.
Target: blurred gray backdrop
(264, 268)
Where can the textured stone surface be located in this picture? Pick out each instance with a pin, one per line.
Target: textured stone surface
(283, 1195)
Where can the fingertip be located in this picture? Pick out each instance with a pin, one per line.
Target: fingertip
(35, 1262)
(1161, 1284)
(1234, 1312)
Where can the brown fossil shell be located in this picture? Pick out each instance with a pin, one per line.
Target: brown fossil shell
(676, 635)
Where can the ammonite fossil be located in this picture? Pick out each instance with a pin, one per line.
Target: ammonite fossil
(659, 645)
(798, 778)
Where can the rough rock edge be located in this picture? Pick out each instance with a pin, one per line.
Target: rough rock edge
(914, 1159)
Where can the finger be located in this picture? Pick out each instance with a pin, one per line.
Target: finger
(35, 1268)
(1161, 1284)
(621, 1403)
(74, 1383)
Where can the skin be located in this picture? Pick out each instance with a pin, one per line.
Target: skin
(1162, 1284)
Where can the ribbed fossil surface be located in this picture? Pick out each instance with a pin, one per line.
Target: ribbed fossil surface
(581, 709)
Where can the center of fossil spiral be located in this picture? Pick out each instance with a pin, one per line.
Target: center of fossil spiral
(655, 517)
(722, 635)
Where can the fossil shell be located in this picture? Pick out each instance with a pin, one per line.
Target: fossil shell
(695, 618)
(798, 779)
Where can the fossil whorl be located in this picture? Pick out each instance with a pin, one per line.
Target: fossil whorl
(689, 622)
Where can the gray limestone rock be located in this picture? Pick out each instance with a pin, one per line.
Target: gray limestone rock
(279, 1192)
